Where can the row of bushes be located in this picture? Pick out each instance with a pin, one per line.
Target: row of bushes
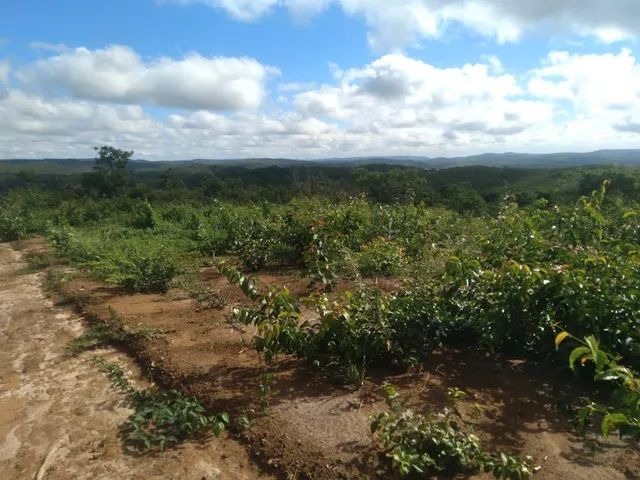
(538, 271)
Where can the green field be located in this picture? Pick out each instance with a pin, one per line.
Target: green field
(541, 264)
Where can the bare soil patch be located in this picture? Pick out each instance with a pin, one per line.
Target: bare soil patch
(59, 416)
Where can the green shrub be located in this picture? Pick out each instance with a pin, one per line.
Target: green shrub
(12, 226)
(161, 418)
(369, 329)
(622, 410)
(438, 443)
(542, 269)
(381, 256)
(276, 315)
(419, 444)
(138, 269)
(145, 216)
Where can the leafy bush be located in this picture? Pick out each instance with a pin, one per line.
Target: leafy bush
(381, 256)
(145, 216)
(138, 269)
(69, 245)
(541, 268)
(622, 411)
(428, 444)
(161, 418)
(318, 263)
(276, 315)
(22, 214)
(438, 443)
(12, 226)
(372, 329)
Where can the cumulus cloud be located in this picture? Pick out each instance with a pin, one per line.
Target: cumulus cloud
(395, 104)
(118, 74)
(402, 95)
(594, 84)
(4, 71)
(23, 113)
(596, 96)
(5, 67)
(397, 23)
(628, 125)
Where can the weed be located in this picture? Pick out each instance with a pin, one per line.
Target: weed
(139, 270)
(37, 261)
(116, 375)
(438, 443)
(109, 332)
(55, 280)
(206, 297)
(161, 418)
(98, 334)
(243, 422)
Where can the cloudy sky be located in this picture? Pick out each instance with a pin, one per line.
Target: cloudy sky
(178, 79)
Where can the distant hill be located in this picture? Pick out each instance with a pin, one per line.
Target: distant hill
(524, 160)
(518, 160)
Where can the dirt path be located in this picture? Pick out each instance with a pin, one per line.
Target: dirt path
(59, 416)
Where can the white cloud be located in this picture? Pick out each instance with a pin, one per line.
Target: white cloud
(397, 23)
(598, 94)
(119, 74)
(393, 105)
(245, 10)
(23, 113)
(5, 67)
(594, 84)
(401, 95)
(295, 86)
(49, 47)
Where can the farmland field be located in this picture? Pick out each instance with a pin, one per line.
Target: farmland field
(443, 325)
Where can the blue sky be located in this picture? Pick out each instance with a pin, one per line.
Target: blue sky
(177, 79)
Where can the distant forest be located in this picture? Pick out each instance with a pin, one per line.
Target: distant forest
(472, 189)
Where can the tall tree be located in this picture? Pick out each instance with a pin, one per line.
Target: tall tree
(110, 173)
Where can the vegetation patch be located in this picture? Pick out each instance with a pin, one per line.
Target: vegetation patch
(621, 413)
(495, 260)
(439, 443)
(99, 334)
(161, 419)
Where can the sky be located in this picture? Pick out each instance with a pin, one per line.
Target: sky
(182, 79)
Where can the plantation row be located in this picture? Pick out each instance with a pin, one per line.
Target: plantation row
(507, 283)
(510, 280)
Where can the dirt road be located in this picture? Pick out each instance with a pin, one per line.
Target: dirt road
(59, 416)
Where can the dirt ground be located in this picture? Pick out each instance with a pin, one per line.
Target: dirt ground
(59, 416)
(308, 427)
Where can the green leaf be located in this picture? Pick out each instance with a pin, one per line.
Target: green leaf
(611, 420)
(577, 354)
(617, 372)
